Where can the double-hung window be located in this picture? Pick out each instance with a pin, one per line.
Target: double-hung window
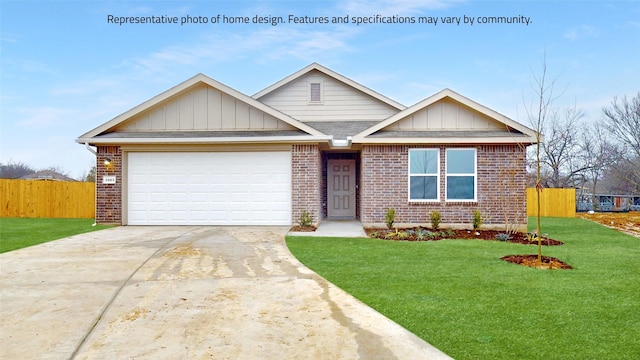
(424, 174)
(461, 174)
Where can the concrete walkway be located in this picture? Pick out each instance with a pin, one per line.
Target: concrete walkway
(184, 293)
(336, 228)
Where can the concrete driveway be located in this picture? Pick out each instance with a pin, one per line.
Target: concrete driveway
(184, 293)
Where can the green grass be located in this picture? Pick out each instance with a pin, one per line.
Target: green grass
(17, 233)
(458, 296)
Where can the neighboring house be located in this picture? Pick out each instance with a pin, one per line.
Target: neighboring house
(47, 175)
(204, 153)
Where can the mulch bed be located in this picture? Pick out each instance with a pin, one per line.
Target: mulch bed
(518, 238)
(298, 228)
(547, 262)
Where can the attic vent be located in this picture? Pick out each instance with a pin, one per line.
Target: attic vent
(315, 92)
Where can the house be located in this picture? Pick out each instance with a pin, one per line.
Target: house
(47, 175)
(317, 141)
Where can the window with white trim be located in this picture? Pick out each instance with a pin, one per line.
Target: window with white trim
(315, 92)
(460, 174)
(424, 174)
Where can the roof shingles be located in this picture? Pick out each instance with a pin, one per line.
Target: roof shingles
(341, 129)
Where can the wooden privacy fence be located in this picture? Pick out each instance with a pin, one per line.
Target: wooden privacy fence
(58, 199)
(553, 202)
(47, 199)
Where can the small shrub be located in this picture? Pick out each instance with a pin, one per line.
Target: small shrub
(390, 218)
(450, 233)
(373, 234)
(532, 237)
(503, 237)
(402, 235)
(435, 219)
(424, 234)
(477, 219)
(305, 219)
(390, 235)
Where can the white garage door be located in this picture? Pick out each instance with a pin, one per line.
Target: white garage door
(209, 188)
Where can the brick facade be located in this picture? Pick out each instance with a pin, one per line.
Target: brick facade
(383, 179)
(501, 187)
(109, 196)
(306, 179)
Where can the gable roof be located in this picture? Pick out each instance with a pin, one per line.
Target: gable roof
(47, 175)
(92, 135)
(317, 67)
(406, 125)
(518, 132)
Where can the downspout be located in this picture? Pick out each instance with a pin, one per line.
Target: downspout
(90, 149)
(95, 221)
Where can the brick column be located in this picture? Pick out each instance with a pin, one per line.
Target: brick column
(109, 196)
(306, 179)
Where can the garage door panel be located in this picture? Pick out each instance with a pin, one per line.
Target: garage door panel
(178, 216)
(199, 179)
(158, 215)
(277, 178)
(236, 188)
(158, 196)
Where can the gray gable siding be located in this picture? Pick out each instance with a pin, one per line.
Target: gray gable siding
(339, 101)
(203, 108)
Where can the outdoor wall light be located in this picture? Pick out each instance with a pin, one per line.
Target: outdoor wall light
(107, 161)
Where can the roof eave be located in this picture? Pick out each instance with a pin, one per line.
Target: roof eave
(526, 141)
(206, 140)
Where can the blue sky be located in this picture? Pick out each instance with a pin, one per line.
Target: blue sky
(65, 70)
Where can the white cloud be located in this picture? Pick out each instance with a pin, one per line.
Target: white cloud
(9, 38)
(33, 66)
(635, 24)
(580, 32)
(275, 43)
(44, 117)
(86, 87)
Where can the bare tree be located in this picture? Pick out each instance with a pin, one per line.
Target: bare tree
(622, 120)
(15, 170)
(538, 112)
(563, 163)
(598, 152)
(623, 175)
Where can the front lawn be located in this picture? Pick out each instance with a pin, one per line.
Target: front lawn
(17, 233)
(458, 296)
